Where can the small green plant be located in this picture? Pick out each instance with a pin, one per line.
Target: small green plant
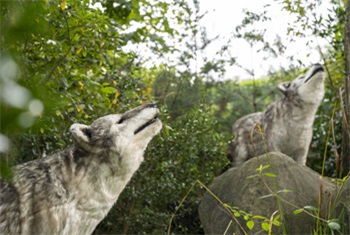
(331, 225)
(266, 223)
(235, 212)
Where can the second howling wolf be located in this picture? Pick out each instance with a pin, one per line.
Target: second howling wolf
(285, 126)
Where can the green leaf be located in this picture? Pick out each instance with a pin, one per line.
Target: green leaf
(253, 176)
(272, 175)
(310, 208)
(236, 214)
(284, 191)
(129, 94)
(250, 224)
(166, 129)
(261, 168)
(265, 226)
(70, 110)
(275, 221)
(334, 225)
(298, 211)
(108, 90)
(69, 55)
(259, 217)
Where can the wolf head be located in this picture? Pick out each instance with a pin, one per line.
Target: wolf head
(308, 88)
(121, 134)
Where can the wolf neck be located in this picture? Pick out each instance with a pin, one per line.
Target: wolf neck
(114, 175)
(102, 181)
(300, 112)
(115, 169)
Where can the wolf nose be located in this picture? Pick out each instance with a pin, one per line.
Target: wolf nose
(318, 68)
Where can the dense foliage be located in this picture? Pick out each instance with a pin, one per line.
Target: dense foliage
(70, 62)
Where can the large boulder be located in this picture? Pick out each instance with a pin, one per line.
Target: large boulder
(250, 192)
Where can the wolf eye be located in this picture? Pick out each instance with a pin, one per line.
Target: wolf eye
(121, 121)
(87, 132)
(287, 85)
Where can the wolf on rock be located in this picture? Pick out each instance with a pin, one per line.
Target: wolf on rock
(71, 191)
(285, 126)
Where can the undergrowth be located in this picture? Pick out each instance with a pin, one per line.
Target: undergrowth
(324, 224)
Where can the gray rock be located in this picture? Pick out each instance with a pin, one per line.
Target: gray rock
(248, 190)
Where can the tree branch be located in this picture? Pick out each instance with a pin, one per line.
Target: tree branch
(60, 60)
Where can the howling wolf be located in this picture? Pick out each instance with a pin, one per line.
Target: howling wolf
(71, 191)
(285, 126)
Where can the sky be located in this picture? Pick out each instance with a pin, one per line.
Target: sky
(222, 16)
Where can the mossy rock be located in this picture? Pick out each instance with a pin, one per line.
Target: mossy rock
(249, 190)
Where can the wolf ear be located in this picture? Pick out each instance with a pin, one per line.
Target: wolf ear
(283, 87)
(81, 134)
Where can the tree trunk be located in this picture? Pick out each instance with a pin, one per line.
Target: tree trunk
(346, 99)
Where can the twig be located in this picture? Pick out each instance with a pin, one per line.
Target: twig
(60, 60)
(345, 121)
(326, 67)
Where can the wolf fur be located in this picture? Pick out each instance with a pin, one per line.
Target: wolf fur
(71, 191)
(285, 126)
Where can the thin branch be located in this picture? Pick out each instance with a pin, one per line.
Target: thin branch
(342, 105)
(326, 67)
(60, 60)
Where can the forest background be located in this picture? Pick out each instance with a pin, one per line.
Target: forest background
(66, 62)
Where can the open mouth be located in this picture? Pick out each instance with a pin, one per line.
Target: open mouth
(150, 122)
(317, 70)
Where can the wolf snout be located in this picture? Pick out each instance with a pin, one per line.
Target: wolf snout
(134, 112)
(318, 68)
(151, 121)
(315, 69)
(141, 117)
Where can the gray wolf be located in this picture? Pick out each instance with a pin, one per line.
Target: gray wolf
(285, 126)
(71, 191)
